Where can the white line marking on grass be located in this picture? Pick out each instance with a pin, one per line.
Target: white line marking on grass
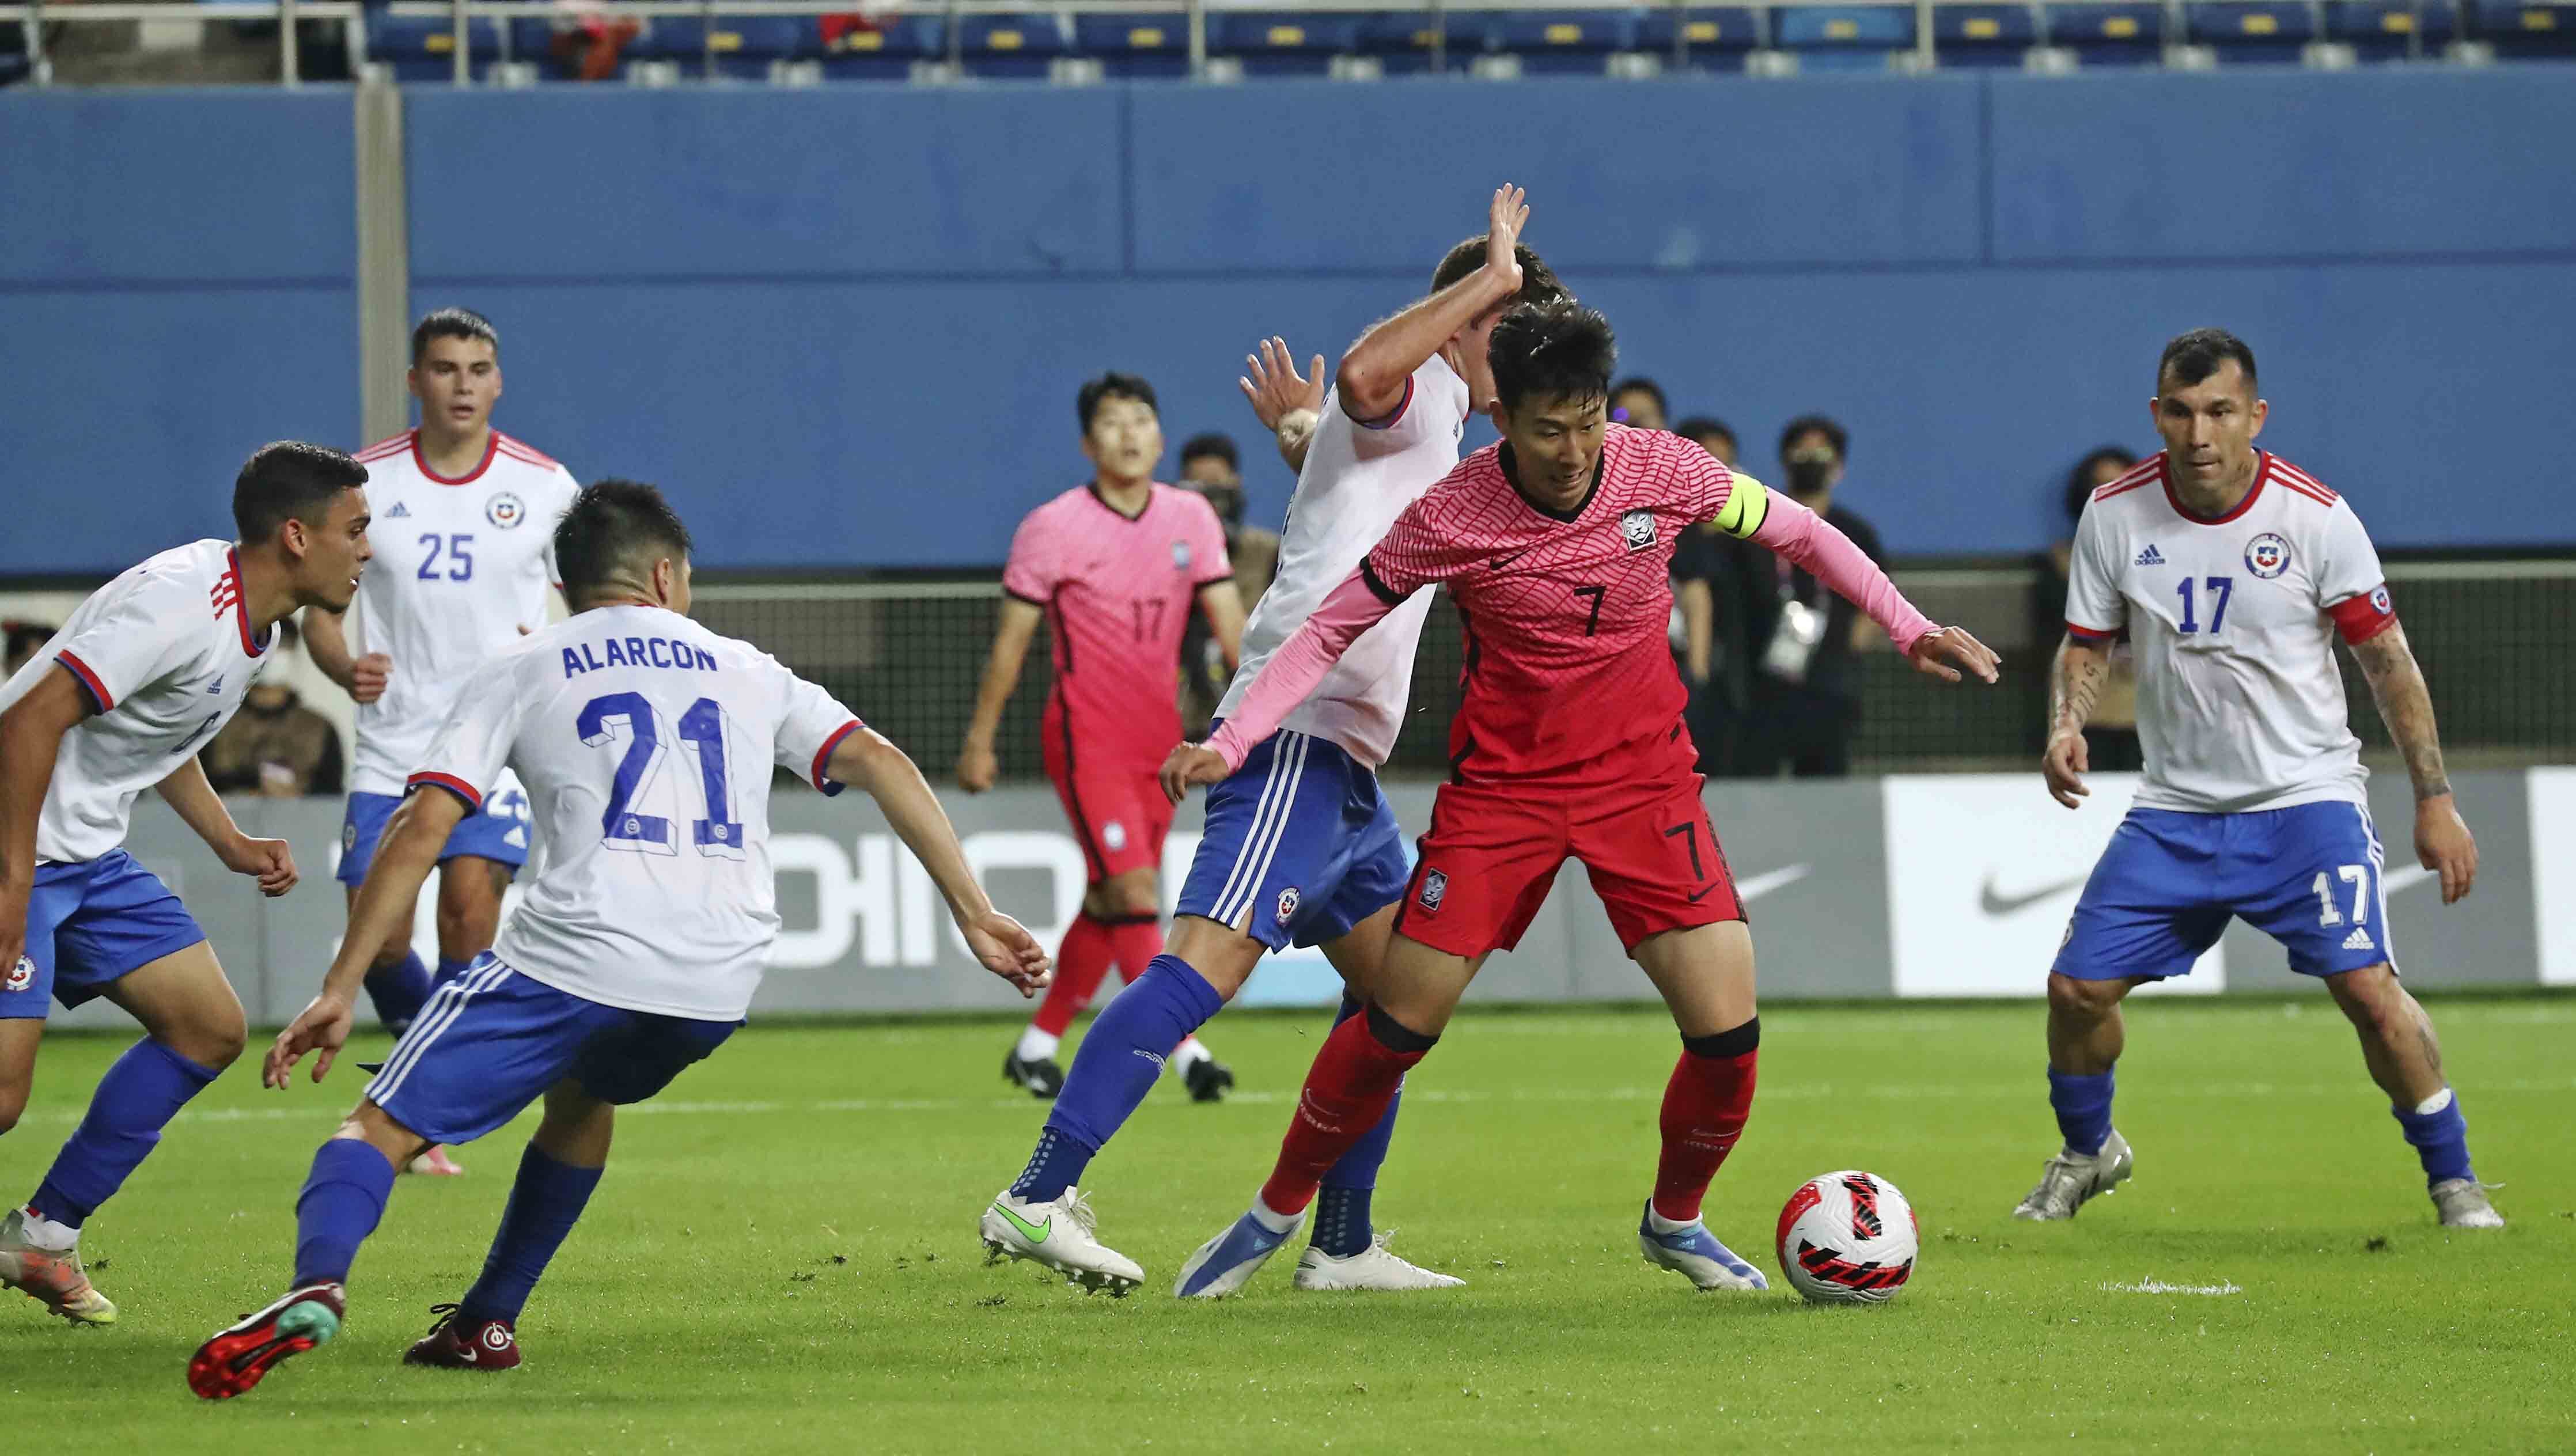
(2158, 1286)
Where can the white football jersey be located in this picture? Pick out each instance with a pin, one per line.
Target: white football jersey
(1357, 479)
(2240, 701)
(166, 655)
(645, 743)
(461, 567)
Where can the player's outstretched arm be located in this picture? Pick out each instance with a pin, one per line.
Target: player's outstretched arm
(326, 641)
(2074, 681)
(1287, 403)
(269, 860)
(1375, 371)
(406, 854)
(1356, 605)
(1812, 542)
(865, 758)
(977, 766)
(31, 733)
(2442, 840)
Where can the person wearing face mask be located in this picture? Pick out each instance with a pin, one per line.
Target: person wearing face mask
(1801, 637)
(1211, 466)
(275, 747)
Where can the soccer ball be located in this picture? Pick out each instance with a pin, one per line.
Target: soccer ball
(1848, 1238)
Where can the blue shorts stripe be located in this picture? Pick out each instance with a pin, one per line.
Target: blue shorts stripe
(446, 1004)
(1273, 808)
(1264, 844)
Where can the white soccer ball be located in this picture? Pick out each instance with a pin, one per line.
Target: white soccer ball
(1848, 1238)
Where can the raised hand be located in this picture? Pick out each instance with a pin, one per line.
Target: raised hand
(1007, 950)
(1503, 224)
(1934, 651)
(322, 1026)
(1274, 386)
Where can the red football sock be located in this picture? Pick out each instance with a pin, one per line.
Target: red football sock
(1079, 964)
(1135, 941)
(1354, 1077)
(1704, 1110)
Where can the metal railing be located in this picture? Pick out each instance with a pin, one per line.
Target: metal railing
(34, 15)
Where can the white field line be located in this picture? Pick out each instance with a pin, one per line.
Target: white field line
(2158, 1286)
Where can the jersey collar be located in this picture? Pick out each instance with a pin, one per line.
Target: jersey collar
(1573, 513)
(491, 449)
(1092, 489)
(2254, 492)
(232, 586)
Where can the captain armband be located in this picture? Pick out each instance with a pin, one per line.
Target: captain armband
(1747, 506)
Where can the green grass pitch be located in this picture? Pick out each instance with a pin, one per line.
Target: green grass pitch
(783, 1258)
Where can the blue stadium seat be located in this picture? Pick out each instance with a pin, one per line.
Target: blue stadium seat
(1009, 46)
(421, 49)
(882, 52)
(2380, 30)
(1282, 42)
(1715, 37)
(2525, 30)
(2270, 30)
(1842, 37)
(1152, 44)
(2109, 35)
(1562, 41)
(742, 45)
(1401, 39)
(1984, 35)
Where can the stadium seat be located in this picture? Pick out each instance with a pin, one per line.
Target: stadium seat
(1401, 39)
(2520, 30)
(1713, 39)
(1563, 41)
(1018, 47)
(2268, 30)
(1842, 37)
(741, 46)
(1984, 35)
(1149, 44)
(1282, 42)
(422, 49)
(2115, 34)
(856, 48)
(2381, 30)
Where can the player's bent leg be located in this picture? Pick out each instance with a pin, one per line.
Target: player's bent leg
(19, 1039)
(2085, 1038)
(470, 890)
(2398, 1045)
(1705, 975)
(558, 1172)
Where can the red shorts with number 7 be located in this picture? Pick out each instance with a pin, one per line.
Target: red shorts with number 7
(1492, 854)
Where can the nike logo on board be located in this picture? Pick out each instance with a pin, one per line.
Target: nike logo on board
(1994, 903)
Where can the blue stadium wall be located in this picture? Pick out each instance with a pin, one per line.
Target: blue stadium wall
(846, 324)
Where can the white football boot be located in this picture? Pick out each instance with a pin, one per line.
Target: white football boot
(1375, 1267)
(1060, 1236)
(2463, 1204)
(2067, 1180)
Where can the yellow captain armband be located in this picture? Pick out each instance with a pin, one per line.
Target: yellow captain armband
(1747, 506)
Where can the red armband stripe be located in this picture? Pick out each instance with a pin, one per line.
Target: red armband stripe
(823, 757)
(88, 680)
(450, 782)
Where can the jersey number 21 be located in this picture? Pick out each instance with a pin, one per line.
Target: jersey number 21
(610, 717)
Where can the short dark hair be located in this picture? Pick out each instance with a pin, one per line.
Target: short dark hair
(1559, 348)
(1700, 427)
(2195, 356)
(1825, 425)
(2079, 481)
(1539, 283)
(1212, 443)
(612, 524)
(290, 480)
(1639, 381)
(1112, 385)
(452, 323)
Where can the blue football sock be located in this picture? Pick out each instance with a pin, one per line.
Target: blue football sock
(449, 970)
(398, 991)
(2083, 1109)
(136, 1099)
(544, 1204)
(1120, 1059)
(343, 1198)
(1342, 1226)
(2440, 1138)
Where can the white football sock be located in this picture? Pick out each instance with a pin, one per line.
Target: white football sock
(1035, 1045)
(2434, 1103)
(1190, 1050)
(1663, 1225)
(44, 1233)
(1273, 1220)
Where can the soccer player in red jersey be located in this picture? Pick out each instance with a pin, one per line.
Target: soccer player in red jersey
(1115, 568)
(1555, 544)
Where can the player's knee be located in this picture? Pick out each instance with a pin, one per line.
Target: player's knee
(2369, 996)
(215, 1039)
(2072, 996)
(13, 1105)
(1128, 895)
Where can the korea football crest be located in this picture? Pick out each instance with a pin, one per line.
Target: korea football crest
(2267, 556)
(1435, 888)
(505, 510)
(1180, 556)
(1637, 528)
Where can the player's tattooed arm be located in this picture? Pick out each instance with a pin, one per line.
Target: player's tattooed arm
(2406, 706)
(2442, 840)
(2074, 684)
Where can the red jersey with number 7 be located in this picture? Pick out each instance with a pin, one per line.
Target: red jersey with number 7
(1117, 591)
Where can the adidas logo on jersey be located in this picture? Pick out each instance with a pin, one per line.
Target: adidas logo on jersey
(215, 687)
(2358, 940)
(399, 510)
(2149, 557)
